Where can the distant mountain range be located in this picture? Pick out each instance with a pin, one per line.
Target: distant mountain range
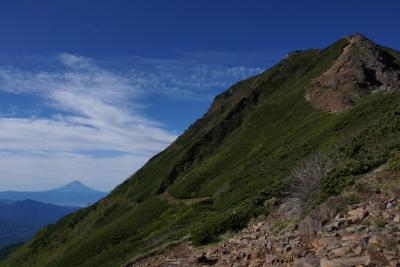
(19, 220)
(23, 213)
(7, 201)
(74, 194)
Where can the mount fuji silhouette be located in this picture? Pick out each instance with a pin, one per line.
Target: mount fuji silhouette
(73, 194)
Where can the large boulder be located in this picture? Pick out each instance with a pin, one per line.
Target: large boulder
(309, 228)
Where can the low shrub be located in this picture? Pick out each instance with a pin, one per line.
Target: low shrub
(388, 181)
(394, 162)
(378, 223)
(232, 220)
(306, 177)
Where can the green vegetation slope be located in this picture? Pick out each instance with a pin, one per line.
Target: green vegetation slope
(219, 173)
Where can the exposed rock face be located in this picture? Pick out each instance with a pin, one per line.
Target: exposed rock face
(363, 68)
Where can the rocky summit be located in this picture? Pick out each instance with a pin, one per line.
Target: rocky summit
(362, 68)
(296, 166)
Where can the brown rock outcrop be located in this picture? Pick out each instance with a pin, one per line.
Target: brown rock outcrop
(363, 68)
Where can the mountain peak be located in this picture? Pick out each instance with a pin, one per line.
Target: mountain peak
(72, 194)
(356, 37)
(75, 186)
(75, 183)
(363, 67)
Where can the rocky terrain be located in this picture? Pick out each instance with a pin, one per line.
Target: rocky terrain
(364, 232)
(363, 68)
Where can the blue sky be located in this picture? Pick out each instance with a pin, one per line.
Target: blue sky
(89, 90)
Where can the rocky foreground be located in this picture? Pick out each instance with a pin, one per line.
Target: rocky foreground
(361, 228)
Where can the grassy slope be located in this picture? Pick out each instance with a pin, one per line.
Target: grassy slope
(238, 155)
(7, 250)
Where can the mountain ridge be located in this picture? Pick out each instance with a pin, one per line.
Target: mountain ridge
(20, 219)
(72, 194)
(76, 186)
(226, 167)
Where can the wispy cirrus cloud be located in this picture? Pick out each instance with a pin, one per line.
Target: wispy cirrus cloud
(94, 128)
(188, 78)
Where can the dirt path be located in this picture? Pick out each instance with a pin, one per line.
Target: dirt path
(191, 201)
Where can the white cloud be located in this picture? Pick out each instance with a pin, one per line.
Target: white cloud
(96, 110)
